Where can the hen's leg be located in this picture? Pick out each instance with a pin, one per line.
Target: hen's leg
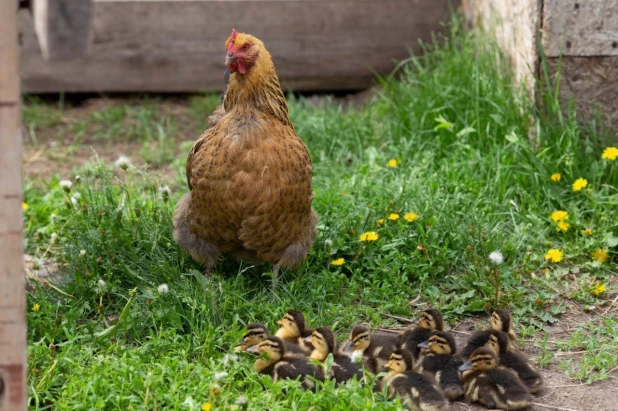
(275, 277)
(201, 251)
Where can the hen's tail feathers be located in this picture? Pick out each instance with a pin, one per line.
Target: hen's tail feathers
(199, 249)
(296, 253)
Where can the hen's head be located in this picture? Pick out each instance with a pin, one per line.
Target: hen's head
(242, 51)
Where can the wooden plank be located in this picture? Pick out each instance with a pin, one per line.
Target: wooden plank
(12, 288)
(515, 24)
(580, 28)
(592, 81)
(63, 27)
(177, 46)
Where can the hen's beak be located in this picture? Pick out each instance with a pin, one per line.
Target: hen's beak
(466, 366)
(349, 346)
(423, 345)
(254, 350)
(230, 58)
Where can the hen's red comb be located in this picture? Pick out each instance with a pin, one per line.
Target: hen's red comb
(234, 33)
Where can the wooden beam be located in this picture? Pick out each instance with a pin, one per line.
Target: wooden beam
(12, 288)
(177, 46)
(63, 27)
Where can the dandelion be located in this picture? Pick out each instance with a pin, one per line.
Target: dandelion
(220, 375)
(409, 217)
(82, 253)
(338, 262)
(229, 359)
(36, 308)
(587, 232)
(598, 289)
(163, 289)
(357, 356)
(579, 184)
(554, 255)
(206, 406)
(392, 163)
(563, 226)
(496, 257)
(369, 236)
(101, 286)
(393, 217)
(600, 255)
(123, 162)
(242, 401)
(165, 193)
(610, 153)
(380, 221)
(24, 206)
(328, 242)
(559, 215)
(556, 177)
(66, 185)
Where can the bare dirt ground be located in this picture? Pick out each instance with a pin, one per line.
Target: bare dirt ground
(55, 150)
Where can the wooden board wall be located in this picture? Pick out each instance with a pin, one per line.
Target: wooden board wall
(177, 45)
(12, 288)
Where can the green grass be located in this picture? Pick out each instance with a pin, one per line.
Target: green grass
(466, 165)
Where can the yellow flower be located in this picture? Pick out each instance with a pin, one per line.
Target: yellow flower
(338, 262)
(556, 177)
(381, 221)
(559, 216)
(610, 153)
(579, 184)
(410, 217)
(554, 255)
(393, 217)
(36, 307)
(24, 206)
(206, 406)
(587, 232)
(392, 163)
(598, 289)
(563, 226)
(600, 255)
(369, 236)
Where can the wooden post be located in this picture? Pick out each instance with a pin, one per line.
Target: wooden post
(12, 287)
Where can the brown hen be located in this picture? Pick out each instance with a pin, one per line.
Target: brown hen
(249, 174)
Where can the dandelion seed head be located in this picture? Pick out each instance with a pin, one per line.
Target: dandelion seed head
(220, 375)
(123, 162)
(242, 400)
(163, 289)
(229, 359)
(65, 185)
(496, 257)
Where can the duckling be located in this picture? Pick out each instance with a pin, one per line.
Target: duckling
(293, 330)
(376, 348)
(418, 391)
(500, 321)
(324, 343)
(280, 365)
(430, 320)
(256, 333)
(443, 363)
(516, 361)
(493, 386)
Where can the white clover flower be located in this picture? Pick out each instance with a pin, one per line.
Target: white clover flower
(101, 286)
(241, 401)
(328, 242)
(357, 356)
(220, 375)
(163, 289)
(229, 359)
(123, 162)
(82, 252)
(496, 257)
(65, 185)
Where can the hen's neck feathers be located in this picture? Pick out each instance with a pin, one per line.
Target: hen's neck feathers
(258, 89)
